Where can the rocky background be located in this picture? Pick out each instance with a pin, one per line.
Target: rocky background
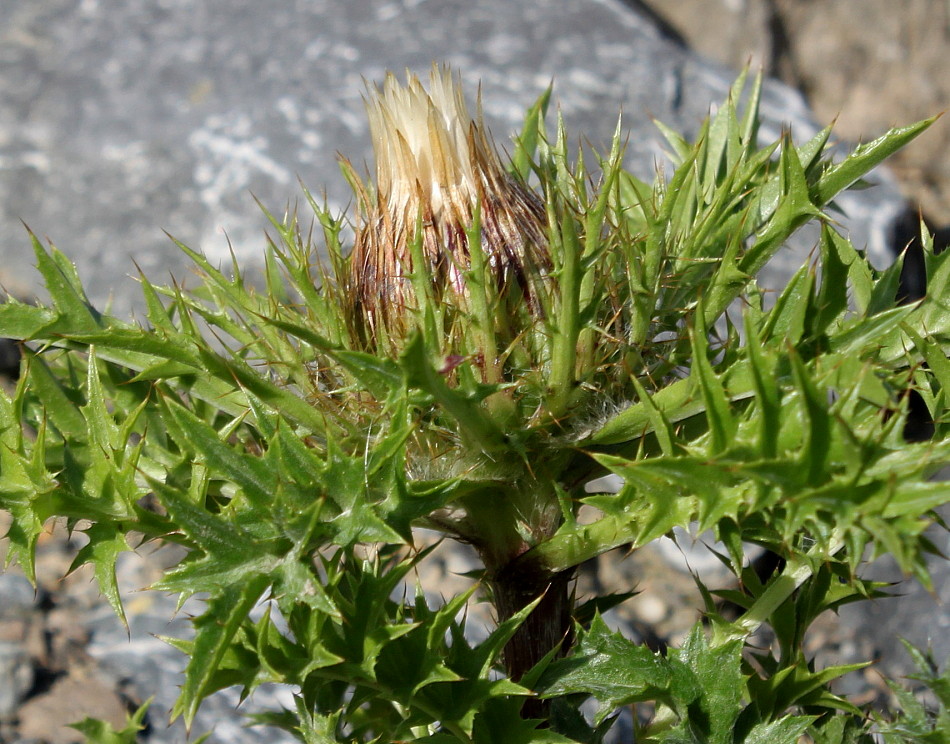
(121, 118)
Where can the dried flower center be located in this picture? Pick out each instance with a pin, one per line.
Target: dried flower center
(435, 164)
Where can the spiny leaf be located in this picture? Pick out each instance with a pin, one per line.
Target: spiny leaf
(864, 158)
(787, 730)
(252, 474)
(817, 424)
(526, 144)
(106, 543)
(722, 424)
(719, 681)
(102, 732)
(227, 609)
(62, 410)
(65, 289)
(471, 418)
(613, 669)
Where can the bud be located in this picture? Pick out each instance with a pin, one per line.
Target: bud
(434, 166)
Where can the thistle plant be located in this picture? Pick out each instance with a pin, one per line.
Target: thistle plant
(499, 336)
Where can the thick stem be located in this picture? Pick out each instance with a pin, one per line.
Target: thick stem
(497, 521)
(548, 626)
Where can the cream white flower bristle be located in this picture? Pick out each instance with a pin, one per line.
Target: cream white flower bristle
(435, 163)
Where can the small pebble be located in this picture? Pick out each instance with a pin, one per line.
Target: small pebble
(16, 677)
(651, 609)
(17, 596)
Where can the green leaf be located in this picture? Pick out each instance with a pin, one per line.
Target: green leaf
(230, 552)
(722, 424)
(377, 374)
(610, 667)
(315, 728)
(632, 518)
(676, 402)
(59, 406)
(296, 579)
(526, 145)
(21, 321)
(472, 419)
(252, 474)
(227, 610)
(864, 158)
(817, 424)
(497, 722)
(102, 732)
(720, 684)
(832, 299)
(795, 207)
(787, 730)
(659, 423)
(567, 326)
(65, 289)
(767, 392)
(459, 702)
(884, 291)
(345, 480)
(106, 543)
(416, 660)
(786, 321)
(859, 271)
(26, 487)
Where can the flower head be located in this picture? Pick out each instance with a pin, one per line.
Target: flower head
(435, 166)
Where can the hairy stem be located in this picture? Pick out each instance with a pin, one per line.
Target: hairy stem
(548, 626)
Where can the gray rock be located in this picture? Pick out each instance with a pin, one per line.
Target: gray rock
(122, 119)
(72, 698)
(16, 668)
(914, 614)
(16, 677)
(17, 597)
(149, 667)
